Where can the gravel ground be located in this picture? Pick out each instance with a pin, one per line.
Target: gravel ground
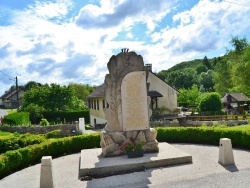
(205, 171)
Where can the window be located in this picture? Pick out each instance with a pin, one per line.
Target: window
(103, 104)
(97, 104)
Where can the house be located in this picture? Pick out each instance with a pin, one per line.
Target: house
(160, 92)
(235, 103)
(12, 98)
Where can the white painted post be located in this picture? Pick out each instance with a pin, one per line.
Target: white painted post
(46, 176)
(226, 156)
(82, 125)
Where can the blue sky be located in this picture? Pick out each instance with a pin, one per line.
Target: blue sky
(63, 41)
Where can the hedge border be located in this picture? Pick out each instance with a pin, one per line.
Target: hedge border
(12, 161)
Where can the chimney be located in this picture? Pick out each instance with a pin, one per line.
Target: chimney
(148, 67)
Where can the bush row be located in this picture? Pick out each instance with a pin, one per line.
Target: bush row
(17, 141)
(205, 135)
(12, 161)
(64, 117)
(15, 119)
(23, 118)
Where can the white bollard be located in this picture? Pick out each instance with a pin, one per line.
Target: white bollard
(82, 125)
(46, 176)
(226, 156)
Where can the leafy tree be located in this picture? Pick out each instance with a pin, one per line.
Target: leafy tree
(222, 76)
(31, 84)
(200, 68)
(206, 80)
(182, 79)
(240, 71)
(35, 112)
(210, 102)
(239, 44)
(81, 90)
(189, 96)
(51, 97)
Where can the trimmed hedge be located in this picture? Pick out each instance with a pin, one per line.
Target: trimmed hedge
(239, 136)
(72, 116)
(18, 141)
(11, 161)
(21, 118)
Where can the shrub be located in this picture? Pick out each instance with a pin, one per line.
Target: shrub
(18, 141)
(15, 119)
(210, 102)
(68, 116)
(12, 161)
(44, 122)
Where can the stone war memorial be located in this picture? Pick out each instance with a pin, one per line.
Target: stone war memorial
(127, 122)
(128, 113)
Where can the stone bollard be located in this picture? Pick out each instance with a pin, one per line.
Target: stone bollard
(226, 156)
(46, 176)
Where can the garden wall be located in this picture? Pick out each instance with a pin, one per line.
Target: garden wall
(67, 129)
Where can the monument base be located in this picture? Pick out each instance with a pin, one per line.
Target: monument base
(111, 142)
(94, 164)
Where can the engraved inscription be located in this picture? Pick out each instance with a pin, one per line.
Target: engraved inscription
(134, 101)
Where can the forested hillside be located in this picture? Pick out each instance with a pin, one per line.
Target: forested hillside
(229, 73)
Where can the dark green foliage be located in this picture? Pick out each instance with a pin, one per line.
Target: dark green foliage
(210, 102)
(15, 119)
(35, 113)
(54, 134)
(12, 161)
(205, 135)
(17, 141)
(71, 116)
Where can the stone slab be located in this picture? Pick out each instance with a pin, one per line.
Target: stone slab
(92, 162)
(134, 101)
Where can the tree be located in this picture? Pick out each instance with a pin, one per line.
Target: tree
(206, 79)
(210, 102)
(51, 97)
(240, 71)
(239, 44)
(184, 78)
(222, 76)
(31, 84)
(207, 63)
(189, 96)
(81, 90)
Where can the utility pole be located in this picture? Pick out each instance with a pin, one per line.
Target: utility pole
(17, 98)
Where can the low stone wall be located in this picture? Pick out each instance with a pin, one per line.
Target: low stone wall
(211, 123)
(67, 129)
(198, 123)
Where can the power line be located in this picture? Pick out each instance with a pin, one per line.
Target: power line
(236, 3)
(6, 74)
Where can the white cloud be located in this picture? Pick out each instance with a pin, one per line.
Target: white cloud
(44, 43)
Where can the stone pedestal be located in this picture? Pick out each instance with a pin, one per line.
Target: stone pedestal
(226, 152)
(46, 176)
(111, 142)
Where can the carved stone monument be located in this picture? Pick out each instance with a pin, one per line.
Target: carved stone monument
(128, 113)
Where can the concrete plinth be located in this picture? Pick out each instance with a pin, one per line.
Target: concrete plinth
(46, 176)
(226, 156)
(92, 162)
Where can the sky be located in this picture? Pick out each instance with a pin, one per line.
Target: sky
(66, 41)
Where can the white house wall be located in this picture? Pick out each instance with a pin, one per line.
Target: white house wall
(169, 99)
(97, 112)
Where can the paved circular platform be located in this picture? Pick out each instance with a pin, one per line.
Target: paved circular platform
(205, 171)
